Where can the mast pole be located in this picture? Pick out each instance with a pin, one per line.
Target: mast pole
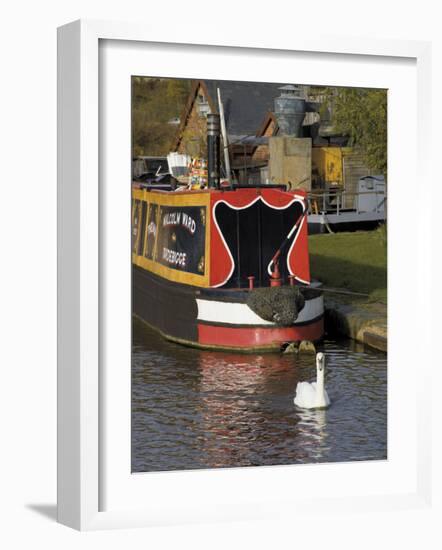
(224, 136)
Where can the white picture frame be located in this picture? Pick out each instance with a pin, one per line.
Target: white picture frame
(82, 298)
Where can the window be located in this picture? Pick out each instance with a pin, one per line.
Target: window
(202, 106)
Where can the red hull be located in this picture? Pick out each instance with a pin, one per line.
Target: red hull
(257, 337)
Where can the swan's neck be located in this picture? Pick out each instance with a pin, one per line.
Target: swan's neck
(320, 381)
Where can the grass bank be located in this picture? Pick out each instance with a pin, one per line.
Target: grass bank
(353, 261)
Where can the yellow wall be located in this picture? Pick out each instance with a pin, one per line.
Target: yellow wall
(327, 164)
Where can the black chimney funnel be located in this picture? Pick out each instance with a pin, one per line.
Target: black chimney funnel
(213, 150)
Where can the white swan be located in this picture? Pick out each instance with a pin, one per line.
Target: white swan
(314, 395)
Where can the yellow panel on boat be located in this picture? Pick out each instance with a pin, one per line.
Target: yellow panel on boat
(156, 209)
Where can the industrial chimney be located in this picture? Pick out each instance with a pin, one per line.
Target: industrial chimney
(290, 154)
(290, 109)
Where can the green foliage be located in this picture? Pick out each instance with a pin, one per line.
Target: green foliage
(361, 113)
(155, 102)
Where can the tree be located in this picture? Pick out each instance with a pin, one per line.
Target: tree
(155, 102)
(361, 113)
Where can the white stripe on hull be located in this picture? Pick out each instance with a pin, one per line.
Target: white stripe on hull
(240, 314)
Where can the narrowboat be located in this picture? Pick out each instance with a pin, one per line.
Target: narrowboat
(224, 267)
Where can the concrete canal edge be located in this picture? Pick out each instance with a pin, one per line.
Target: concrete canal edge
(361, 321)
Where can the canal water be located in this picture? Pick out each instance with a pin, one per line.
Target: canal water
(203, 409)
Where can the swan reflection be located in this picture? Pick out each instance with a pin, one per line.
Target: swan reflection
(312, 433)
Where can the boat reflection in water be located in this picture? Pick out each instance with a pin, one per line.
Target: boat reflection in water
(201, 409)
(233, 408)
(246, 400)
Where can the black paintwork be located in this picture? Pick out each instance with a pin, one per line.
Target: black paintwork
(167, 306)
(253, 236)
